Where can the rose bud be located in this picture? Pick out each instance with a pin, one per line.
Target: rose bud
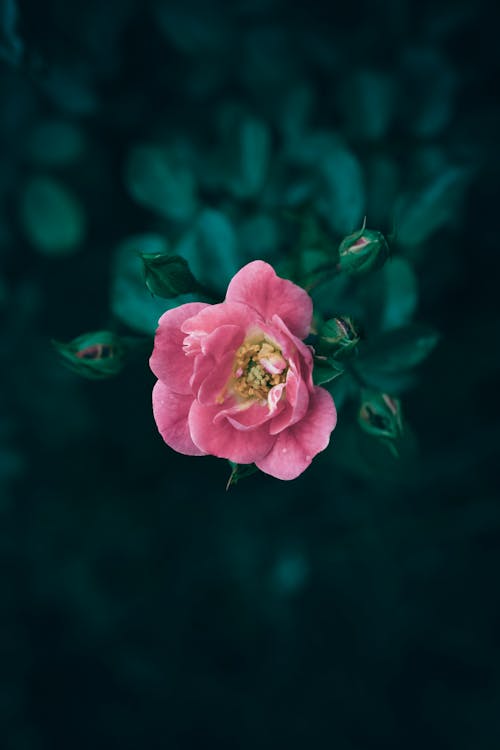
(338, 337)
(380, 415)
(96, 355)
(168, 275)
(365, 250)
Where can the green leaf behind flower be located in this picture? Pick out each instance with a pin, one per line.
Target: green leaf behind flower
(401, 293)
(326, 370)
(386, 363)
(52, 216)
(161, 182)
(167, 275)
(211, 249)
(131, 301)
(420, 214)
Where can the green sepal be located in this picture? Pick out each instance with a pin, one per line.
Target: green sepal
(326, 369)
(97, 355)
(239, 471)
(168, 276)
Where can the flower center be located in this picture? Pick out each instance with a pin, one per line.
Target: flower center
(258, 367)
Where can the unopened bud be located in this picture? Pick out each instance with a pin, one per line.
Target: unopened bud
(96, 355)
(338, 337)
(365, 250)
(380, 415)
(168, 275)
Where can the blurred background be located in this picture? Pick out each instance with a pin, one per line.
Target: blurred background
(142, 605)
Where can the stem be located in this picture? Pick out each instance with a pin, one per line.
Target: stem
(329, 270)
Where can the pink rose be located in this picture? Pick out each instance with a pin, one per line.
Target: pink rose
(235, 379)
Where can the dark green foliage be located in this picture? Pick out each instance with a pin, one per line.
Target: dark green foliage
(142, 605)
(392, 354)
(168, 275)
(326, 370)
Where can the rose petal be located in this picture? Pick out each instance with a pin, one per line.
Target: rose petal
(223, 440)
(168, 360)
(225, 339)
(171, 415)
(212, 389)
(297, 402)
(203, 366)
(275, 398)
(296, 446)
(257, 286)
(248, 417)
(294, 349)
(214, 316)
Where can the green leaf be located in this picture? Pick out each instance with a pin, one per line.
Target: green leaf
(71, 89)
(131, 301)
(382, 188)
(429, 87)
(161, 182)
(254, 154)
(367, 103)
(401, 293)
(395, 352)
(388, 382)
(55, 143)
(52, 217)
(211, 249)
(167, 275)
(420, 214)
(326, 370)
(339, 184)
(240, 164)
(11, 44)
(341, 198)
(372, 459)
(295, 109)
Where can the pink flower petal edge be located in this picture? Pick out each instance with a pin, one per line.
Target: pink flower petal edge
(171, 411)
(295, 447)
(257, 286)
(235, 378)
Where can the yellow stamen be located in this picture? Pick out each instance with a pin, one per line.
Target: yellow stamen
(250, 379)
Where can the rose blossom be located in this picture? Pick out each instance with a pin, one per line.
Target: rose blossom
(235, 379)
